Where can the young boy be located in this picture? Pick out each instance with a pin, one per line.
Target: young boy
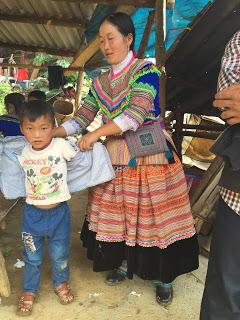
(46, 213)
(9, 123)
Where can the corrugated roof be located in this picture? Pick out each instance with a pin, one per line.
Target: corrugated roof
(42, 35)
(192, 62)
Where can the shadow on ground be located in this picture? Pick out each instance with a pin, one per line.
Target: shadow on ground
(94, 300)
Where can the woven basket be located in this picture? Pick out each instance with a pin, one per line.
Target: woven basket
(63, 110)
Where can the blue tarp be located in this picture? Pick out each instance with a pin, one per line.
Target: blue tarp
(176, 21)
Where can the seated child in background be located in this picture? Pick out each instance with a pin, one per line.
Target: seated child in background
(9, 123)
(46, 212)
(37, 95)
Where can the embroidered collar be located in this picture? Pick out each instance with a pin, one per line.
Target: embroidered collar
(125, 63)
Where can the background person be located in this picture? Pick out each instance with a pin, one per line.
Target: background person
(222, 288)
(9, 123)
(37, 95)
(228, 101)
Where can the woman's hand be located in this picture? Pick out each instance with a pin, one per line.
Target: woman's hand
(87, 141)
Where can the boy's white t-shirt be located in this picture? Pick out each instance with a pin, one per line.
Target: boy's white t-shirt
(46, 172)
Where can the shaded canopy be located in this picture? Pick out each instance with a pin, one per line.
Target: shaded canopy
(193, 66)
(195, 41)
(63, 27)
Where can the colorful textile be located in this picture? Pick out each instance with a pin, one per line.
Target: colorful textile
(132, 92)
(151, 206)
(120, 155)
(147, 140)
(86, 113)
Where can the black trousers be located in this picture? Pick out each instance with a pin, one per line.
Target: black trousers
(221, 297)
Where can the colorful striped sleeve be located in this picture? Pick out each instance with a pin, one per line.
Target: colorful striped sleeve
(142, 99)
(87, 112)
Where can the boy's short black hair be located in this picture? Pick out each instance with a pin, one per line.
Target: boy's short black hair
(37, 95)
(16, 99)
(35, 109)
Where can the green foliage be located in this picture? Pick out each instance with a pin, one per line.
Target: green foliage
(5, 89)
(43, 58)
(86, 85)
(72, 78)
(46, 59)
(63, 62)
(40, 83)
(53, 93)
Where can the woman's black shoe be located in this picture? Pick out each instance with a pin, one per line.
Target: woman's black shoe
(164, 294)
(115, 277)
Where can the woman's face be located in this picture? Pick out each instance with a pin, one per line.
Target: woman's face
(114, 45)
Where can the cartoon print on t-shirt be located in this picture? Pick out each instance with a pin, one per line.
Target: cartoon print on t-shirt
(45, 183)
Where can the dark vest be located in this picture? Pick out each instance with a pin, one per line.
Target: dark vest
(230, 178)
(228, 147)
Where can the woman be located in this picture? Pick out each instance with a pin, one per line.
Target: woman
(143, 215)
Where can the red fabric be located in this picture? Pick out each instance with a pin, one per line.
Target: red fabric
(22, 74)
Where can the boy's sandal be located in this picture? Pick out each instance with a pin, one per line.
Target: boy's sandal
(25, 303)
(64, 293)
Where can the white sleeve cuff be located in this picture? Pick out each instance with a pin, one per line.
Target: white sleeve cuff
(72, 127)
(125, 123)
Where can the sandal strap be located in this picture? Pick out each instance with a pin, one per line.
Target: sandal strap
(64, 293)
(62, 287)
(27, 296)
(25, 303)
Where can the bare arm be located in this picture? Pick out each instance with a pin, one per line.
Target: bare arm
(59, 132)
(106, 130)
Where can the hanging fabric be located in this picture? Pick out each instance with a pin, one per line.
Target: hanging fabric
(56, 77)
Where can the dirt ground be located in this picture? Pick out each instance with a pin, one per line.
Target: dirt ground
(94, 300)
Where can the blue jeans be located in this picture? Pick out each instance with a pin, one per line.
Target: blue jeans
(55, 225)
